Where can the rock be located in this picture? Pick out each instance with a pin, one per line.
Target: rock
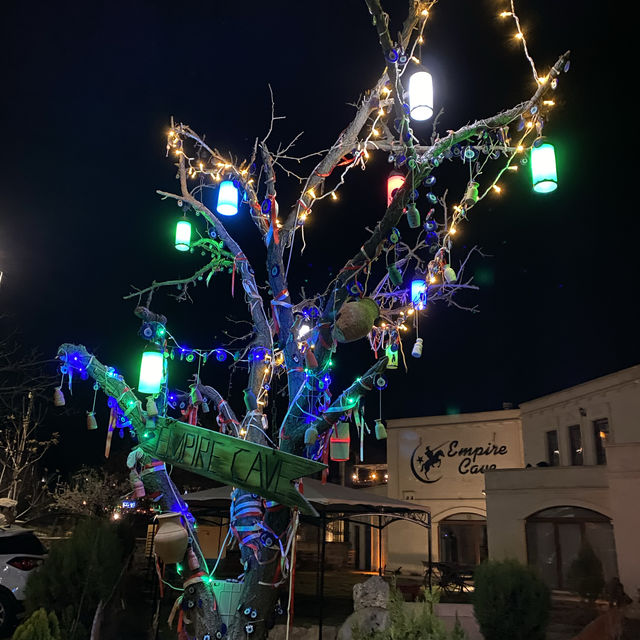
(367, 620)
(372, 593)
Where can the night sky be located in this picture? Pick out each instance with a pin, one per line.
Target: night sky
(88, 92)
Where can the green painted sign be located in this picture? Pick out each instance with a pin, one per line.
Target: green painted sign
(253, 467)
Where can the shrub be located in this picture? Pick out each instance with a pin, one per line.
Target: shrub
(510, 601)
(405, 625)
(78, 573)
(39, 626)
(585, 573)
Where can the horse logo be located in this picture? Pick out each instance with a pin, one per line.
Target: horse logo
(427, 460)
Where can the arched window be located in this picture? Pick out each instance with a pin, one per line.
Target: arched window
(554, 537)
(463, 539)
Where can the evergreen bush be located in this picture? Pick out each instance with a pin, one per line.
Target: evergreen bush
(40, 625)
(510, 601)
(78, 573)
(586, 576)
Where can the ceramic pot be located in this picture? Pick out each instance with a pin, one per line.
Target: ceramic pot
(171, 540)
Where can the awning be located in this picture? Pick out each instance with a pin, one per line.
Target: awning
(327, 498)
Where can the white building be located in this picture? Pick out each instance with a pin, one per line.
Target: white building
(531, 483)
(441, 462)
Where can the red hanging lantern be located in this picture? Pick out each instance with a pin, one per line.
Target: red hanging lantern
(395, 181)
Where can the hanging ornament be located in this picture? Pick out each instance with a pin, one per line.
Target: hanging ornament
(355, 320)
(152, 408)
(227, 204)
(449, 274)
(394, 236)
(392, 354)
(192, 560)
(205, 406)
(183, 235)
(91, 421)
(395, 181)
(339, 442)
(430, 225)
(310, 358)
(380, 382)
(543, 167)
(394, 275)
(470, 195)
(58, 397)
(310, 436)
(137, 484)
(381, 432)
(413, 216)
(421, 95)
(416, 352)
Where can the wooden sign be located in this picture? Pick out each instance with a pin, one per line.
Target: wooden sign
(253, 467)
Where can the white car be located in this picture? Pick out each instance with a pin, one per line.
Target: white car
(20, 553)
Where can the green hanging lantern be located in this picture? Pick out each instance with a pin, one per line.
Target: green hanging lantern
(151, 372)
(543, 168)
(183, 235)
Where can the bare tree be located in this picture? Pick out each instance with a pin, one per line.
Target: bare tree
(293, 337)
(23, 443)
(92, 492)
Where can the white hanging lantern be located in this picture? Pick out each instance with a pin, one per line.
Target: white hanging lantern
(421, 95)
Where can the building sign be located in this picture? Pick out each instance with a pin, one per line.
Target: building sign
(427, 461)
(268, 472)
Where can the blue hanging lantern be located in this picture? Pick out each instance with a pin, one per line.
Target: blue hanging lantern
(227, 199)
(419, 294)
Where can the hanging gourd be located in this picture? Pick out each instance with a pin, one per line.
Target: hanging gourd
(355, 319)
(152, 407)
(227, 204)
(310, 436)
(339, 442)
(421, 95)
(543, 167)
(381, 432)
(183, 235)
(395, 181)
(449, 274)
(171, 539)
(91, 421)
(151, 372)
(419, 293)
(394, 275)
(413, 216)
(470, 195)
(58, 397)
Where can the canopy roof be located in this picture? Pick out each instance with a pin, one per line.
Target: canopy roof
(327, 498)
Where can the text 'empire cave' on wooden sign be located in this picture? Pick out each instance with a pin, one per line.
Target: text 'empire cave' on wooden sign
(253, 467)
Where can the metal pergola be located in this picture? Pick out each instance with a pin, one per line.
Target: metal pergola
(333, 503)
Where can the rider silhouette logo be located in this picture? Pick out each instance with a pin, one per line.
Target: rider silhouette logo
(425, 460)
